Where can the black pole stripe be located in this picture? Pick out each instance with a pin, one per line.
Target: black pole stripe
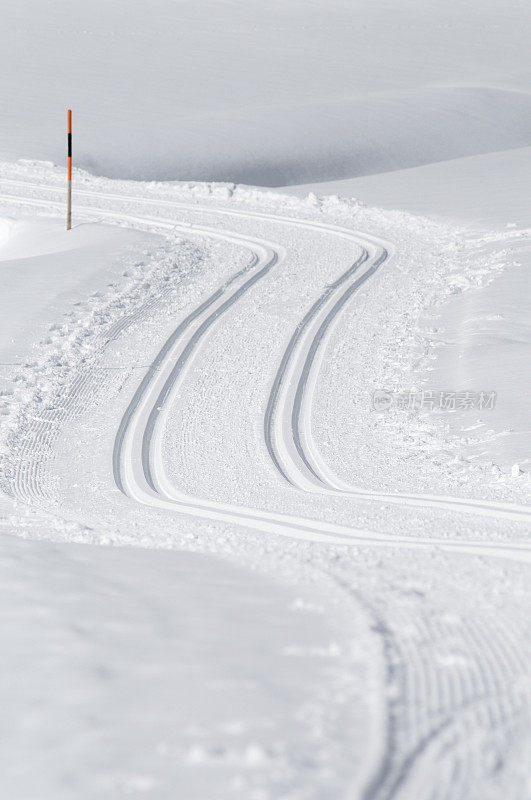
(70, 145)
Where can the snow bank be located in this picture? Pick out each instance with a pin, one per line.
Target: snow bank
(130, 672)
(483, 339)
(489, 191)
(264, 91)
(43, 265)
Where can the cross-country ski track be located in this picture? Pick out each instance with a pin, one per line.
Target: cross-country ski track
(138, 466)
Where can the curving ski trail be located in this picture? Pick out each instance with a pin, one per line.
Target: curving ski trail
(139, 436)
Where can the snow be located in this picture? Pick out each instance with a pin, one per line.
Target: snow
(109, 689)
(267, 93)
(479, 338)
(224, 574)
(487, 342)
(489, 191)
(399, 544)
(42, 266)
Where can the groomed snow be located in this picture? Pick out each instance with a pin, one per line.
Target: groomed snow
(140, 419)
(478, 338)
(223, 574)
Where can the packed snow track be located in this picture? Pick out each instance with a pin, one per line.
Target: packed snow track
(138, 467)
(450, 666)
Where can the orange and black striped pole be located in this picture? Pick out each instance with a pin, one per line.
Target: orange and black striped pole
(69, 196)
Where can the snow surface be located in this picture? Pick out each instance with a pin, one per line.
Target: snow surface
(489, 190)
(268, 93)
(134, 672)
(368, 589)
(223, 574)
(479, 338)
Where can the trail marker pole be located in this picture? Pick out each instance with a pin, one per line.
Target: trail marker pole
(69, 194)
